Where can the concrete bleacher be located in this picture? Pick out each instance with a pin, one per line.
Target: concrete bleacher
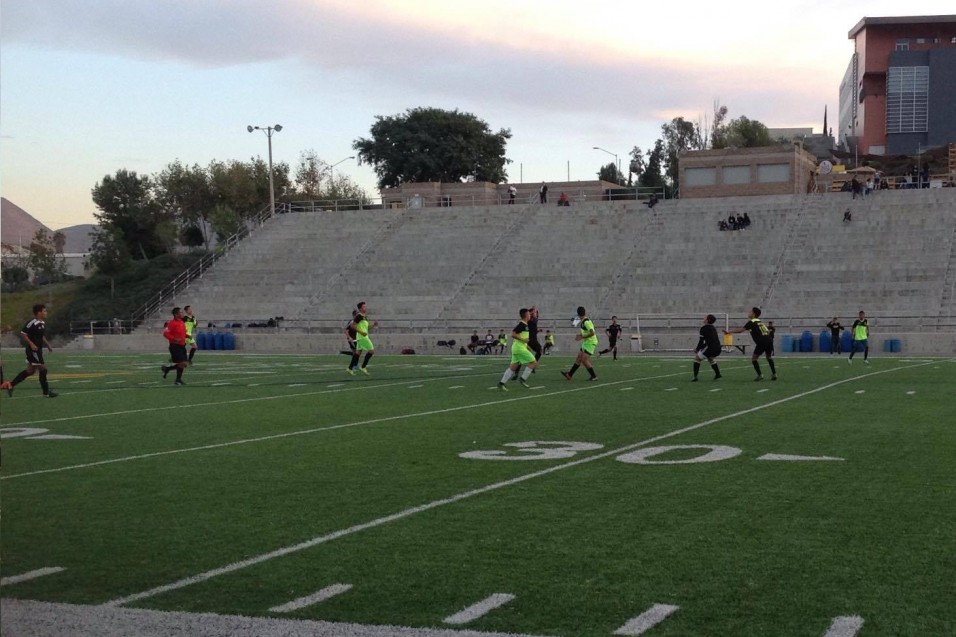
(435, 267)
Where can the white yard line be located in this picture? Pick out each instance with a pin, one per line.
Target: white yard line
(844, 626)
(482, 608)
(295, 433)
(646, 620)
(326, 593)
(23, 577)
(46, 619)
(322, 539)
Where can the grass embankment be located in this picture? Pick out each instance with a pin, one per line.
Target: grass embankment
(95, 298)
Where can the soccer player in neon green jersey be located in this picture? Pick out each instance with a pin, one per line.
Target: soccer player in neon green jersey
(362, 343)
(861, 338)
(521, 354)
(589, 342)
(190, 320)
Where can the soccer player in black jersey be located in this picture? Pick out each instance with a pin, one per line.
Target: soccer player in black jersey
(350, 333)
(33, 336)
(707, 347)
(613, 332)
(533, 343)
(762, 342)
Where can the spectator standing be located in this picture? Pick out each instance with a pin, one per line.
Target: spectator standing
(543, 192)
(512, 194)
(835, 329)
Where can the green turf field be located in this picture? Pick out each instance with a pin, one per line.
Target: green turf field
(638, 504)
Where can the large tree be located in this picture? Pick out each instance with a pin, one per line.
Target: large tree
(679, 135)
(127, 205)
(431, 144)
(185, 194)
(744, 133)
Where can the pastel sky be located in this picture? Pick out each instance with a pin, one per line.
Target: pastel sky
(89, 87)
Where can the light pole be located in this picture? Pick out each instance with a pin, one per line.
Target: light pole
(617, 161)
(269, 131)
(331, 173)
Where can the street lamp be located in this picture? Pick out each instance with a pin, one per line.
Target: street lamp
(269, 131)
(617, 161)
(331, 174)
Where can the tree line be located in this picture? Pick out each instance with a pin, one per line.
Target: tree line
(144, 216)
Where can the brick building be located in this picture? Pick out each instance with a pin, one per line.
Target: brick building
(899, 88)
(732, 172)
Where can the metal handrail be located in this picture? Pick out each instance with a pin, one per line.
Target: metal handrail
(196, 270)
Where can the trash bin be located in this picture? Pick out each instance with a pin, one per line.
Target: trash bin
(887, 345)
(896, 345)
(219, 340)
(786, 343)
(229, 340)
(806, 341)
(825, 341)
(846, 342)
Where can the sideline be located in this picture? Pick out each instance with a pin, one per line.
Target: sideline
(322, 539)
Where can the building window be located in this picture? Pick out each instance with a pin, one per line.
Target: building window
(903, 45)
(907, 99)
(920, 40)
(700, 177)
(772, 173)
(734, 175)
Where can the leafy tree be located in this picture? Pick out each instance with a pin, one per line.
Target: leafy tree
(109, 254)
(679, 135)
(717, 125)
(637, 165)
(225, 221)
(745, 133)
(46, 264)
(244, 187)
(59, 242)
(185, 194)
(127, 205)
(308, 175)
(611, 174)
(653, 177)
(16, 275)
(431, 144)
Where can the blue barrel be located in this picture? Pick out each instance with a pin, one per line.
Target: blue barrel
(200, 340)
(219, 340)
(229, 340)
(896, 345)
(887, 345)
(786, 343)
(846, 342)
(806, 341)
(825, 341)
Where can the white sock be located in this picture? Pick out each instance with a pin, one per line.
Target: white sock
(526, 373)
(507, 376)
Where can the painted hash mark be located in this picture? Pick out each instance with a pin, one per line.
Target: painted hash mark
(480, 609)
(646, 620)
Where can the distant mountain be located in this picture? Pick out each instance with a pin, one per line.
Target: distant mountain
(17, 227)
(78, 239)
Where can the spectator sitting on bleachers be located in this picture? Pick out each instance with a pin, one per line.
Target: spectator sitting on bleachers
(475, 340)
(563, 200)
(652, 201)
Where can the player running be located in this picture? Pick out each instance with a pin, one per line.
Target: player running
(521, 354)
(33, 336)
(362, 342)
(589, 342)
(861, 338)
(613, 332)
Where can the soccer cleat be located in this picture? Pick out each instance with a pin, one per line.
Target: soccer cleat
(774, 377)
(179, 382)
(350, 371)
(566, 375)
(694, 379)
(592, 378)
(51, 394)
(501, 387)
(866, 361)
(717, 376)
(166, 370)
(9, 387)
(524, 383)
(364, 371)
(758, 378)
(849, 361)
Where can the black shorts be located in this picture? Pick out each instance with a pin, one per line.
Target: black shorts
(710, 353)
(611, 342)
(35, 357)
(534, 346)
(178, 353)
(763, 346)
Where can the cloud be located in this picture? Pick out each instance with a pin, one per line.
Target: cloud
(416, 49)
